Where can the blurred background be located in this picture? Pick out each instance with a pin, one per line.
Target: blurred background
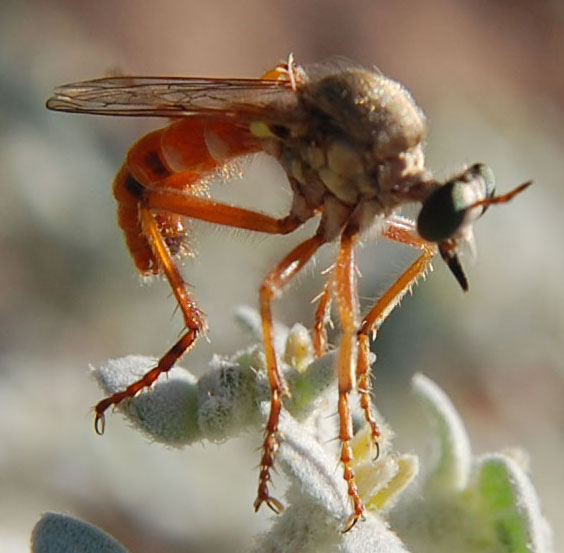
(489, 77)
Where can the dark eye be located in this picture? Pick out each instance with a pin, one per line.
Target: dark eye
(449, 208)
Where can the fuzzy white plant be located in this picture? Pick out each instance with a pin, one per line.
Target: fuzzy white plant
(463, 504)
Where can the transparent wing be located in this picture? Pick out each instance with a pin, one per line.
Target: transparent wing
(174, 97)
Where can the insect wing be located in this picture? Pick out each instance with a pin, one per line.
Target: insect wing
(243, 99)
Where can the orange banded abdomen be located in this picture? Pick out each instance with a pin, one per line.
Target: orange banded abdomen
(175, 157)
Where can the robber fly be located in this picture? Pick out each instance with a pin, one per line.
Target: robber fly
(350, 142)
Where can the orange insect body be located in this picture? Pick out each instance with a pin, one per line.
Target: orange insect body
(181, 148)
(350, 143)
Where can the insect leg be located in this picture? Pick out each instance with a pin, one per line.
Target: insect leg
(347, 301)
(193, 319)
(204, 209)
(322, 318)
(399, 231)
(271, 287)
(198, 208)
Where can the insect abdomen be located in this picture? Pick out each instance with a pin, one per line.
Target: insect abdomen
(144, 167)
(128, 221)
(175, 157)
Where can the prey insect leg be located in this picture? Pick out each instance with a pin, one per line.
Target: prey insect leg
(400, 231)
(271, 287)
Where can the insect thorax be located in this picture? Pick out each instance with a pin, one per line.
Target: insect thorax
(359, 144)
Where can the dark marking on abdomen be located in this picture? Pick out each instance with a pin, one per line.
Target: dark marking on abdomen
(156, 166)
(133, 186)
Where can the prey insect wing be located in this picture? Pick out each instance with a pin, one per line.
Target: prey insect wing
(243, 99)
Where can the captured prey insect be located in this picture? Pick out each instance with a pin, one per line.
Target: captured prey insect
(350, 142)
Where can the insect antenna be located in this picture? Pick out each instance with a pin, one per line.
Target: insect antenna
(503, 198)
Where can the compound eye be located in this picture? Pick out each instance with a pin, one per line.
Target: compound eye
(485, 176)
(449, 208)
(439, 219)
